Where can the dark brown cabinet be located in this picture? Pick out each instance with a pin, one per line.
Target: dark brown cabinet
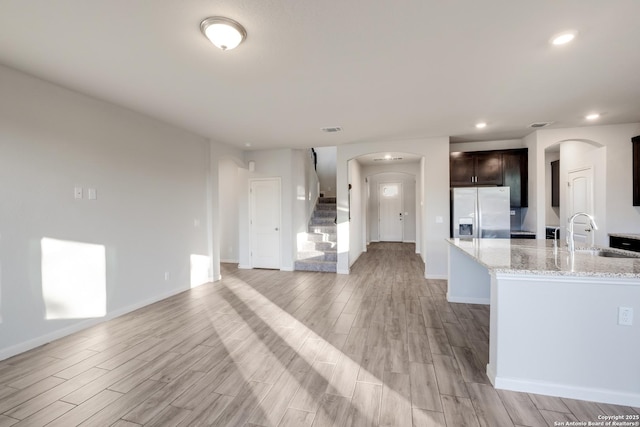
(624, 243)
(492, 168)
(636, 170)
(475, 168)
(555, 183)
(515, 176)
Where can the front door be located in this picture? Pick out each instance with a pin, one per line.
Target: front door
(265, 223)
(390, 212)
(581, 200)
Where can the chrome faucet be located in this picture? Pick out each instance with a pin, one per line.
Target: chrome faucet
(570, 242)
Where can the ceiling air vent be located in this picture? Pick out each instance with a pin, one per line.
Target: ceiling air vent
(539, 124)
(332, 129)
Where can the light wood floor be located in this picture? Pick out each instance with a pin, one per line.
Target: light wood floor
(260, 348)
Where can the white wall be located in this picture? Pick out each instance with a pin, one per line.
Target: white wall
(306, 189)
(229, 173)
(434, 186)
(299, 193)
(505, 144)
(621, 215)
(150, 215)
(356, 224)
(403, 173)
(326, 169)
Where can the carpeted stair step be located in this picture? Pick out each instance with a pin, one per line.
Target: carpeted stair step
(324, 214)
(323, 221)
(327, 207)
(325, 266)
(325, 200)
(330, 255)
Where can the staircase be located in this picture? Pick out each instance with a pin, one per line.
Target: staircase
(319, 251)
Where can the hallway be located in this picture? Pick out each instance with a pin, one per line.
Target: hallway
(381, 346)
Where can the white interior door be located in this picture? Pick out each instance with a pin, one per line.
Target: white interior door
(580, 194)
(390, 214)
(265, 223)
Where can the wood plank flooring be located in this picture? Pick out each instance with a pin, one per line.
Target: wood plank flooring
(379, 347)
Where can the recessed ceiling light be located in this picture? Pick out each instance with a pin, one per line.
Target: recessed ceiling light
(248, 144)
(481, 125)
(388, 156)
(592, 116)
(563, 38)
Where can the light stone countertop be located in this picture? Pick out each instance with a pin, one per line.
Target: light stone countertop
(528, 256)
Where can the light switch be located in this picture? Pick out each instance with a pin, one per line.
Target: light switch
(92, 194)
(77, 193)
(439, 220)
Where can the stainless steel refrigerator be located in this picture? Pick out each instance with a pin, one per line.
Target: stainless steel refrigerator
(481, 212)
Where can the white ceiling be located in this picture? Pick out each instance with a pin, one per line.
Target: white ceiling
(382, 70)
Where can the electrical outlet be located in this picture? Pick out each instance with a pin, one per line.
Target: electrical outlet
(625, 316)
(77, 192)
(167, 276)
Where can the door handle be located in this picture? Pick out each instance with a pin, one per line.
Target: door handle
(588, 230)
(277, 229)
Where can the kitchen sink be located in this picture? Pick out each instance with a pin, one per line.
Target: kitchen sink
(608, 253)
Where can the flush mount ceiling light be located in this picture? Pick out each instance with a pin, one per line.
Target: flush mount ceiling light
(224, 33)
(481, 125)
(592, 116)
(563, 38)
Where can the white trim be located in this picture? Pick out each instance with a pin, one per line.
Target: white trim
(435, 276)
(572, 392)
(60, 333)
(533, 277)
(229, 261)
(484, 301)
(408, 241)
(286, 269)
(342, 271)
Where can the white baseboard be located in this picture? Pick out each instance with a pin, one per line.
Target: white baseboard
(229, 261)
(468, 300)
(408, 241)
(286, 269)
(436, 276)
(613, 397)
(342, 271)
(60, 333)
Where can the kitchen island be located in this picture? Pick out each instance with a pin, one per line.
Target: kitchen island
(554, 325)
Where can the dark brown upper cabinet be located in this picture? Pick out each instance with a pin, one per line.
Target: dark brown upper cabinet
(492, 168)
(515, 176)
(636, 170)
(475, 168)
(555, 183)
